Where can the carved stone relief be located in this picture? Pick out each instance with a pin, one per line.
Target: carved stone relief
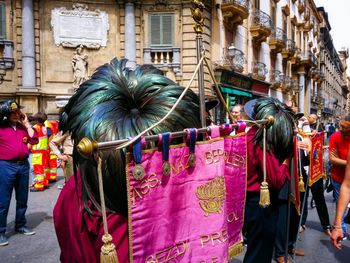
(79, 26)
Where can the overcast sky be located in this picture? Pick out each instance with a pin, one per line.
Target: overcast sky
(339, 19)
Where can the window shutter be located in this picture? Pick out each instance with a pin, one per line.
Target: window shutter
(155, 30)
(2, 20)
(167, 29)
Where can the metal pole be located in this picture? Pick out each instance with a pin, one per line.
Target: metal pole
(199, 43)
(197, 9)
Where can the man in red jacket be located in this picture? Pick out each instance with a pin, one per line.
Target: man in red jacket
(15, 134)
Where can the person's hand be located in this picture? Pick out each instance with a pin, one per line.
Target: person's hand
(337, 237)
(305, 145)
(23, 119)
(63, 157)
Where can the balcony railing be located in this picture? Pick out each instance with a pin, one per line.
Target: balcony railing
(276, 78)
(290, 85)
(289, 50)
(308, 58)
(163, 57)
(6, 47)
(261, 26)
(259, 70)
(234, 61)
(278, 39)
(260, 18)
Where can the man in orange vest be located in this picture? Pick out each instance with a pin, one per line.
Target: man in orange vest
(51, 172)
(39, 154)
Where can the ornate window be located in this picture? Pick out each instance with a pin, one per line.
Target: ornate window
(161, 30)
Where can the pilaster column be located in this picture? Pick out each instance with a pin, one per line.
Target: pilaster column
(130, 34)
(28, 46)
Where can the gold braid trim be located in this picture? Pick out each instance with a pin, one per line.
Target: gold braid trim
(235, 249)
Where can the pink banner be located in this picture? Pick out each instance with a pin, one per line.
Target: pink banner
(195, 214)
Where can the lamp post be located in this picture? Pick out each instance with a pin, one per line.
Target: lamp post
(2, 72)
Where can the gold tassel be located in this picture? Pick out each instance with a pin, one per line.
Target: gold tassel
(108, 252)
(301, 184)
(264, 187)
(264, 195)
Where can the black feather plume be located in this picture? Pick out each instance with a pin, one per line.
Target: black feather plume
(118, 103)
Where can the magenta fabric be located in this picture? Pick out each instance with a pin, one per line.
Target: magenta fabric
(14, 143)
(79, 233)
(167, 219)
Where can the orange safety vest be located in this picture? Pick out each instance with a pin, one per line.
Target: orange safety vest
(43, 143)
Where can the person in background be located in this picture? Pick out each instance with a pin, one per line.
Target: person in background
(209, 105)
(289, 229)
(339, 145)
(260, 222)
(237, 111)
(15, 134)
(317, 190)
(31, 170)
(338, 233)
(62, 146)
(39, 154)
(51, 171)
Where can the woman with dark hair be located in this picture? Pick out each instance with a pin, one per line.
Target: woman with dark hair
(260, 222)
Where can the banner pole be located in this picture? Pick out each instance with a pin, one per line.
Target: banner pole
(197, 9)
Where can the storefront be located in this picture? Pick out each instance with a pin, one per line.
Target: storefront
(237, 88)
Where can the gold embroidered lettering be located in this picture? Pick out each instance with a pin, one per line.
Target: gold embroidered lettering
(144, 187)
(232, 217)
(204, 239)
(170, 253)
(153, 180)
(208, 158)
(134, 195)
(215, 236)
(219, 237)
(216, 157)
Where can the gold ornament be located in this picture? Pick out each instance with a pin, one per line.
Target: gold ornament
(166, 168)
(138, 172)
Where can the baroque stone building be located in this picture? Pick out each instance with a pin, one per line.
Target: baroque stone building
(257, 48)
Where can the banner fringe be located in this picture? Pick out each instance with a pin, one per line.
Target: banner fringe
(235, 249)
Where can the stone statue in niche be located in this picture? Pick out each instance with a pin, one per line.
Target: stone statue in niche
(80, 67)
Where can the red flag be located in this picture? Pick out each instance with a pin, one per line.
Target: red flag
(316, 158)
(294, 180)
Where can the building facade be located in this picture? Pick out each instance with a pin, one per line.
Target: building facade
(257, 48)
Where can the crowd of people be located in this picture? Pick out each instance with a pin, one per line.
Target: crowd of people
(35, 138)
(270, 239)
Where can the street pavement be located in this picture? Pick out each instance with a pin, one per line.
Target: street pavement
(43, 246)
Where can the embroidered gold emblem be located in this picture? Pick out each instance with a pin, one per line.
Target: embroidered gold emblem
(166, 168)
(211, 195)
(25, 139)
(138, 172)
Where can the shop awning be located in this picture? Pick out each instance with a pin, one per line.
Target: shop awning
(237, 92)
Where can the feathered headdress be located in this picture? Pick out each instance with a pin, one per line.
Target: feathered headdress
(118, 103)
(279, 136)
